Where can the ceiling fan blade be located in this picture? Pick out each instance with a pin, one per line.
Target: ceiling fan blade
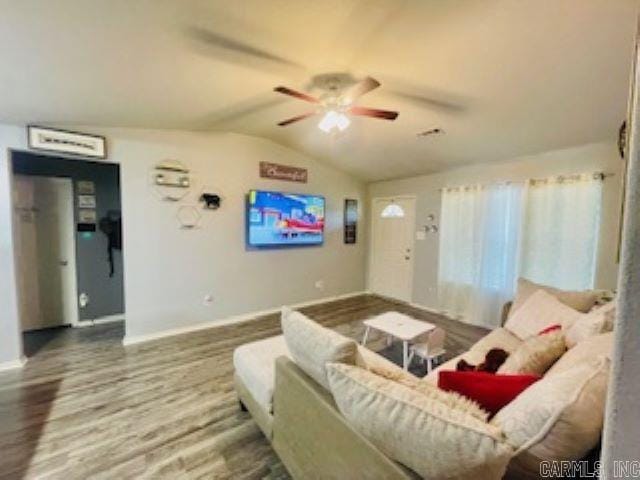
(359, 89)
(237, 47)
(373, 112)
(291, 120)
(430, 102)
(296, 94)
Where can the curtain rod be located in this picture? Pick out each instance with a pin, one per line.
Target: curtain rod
(533, 181)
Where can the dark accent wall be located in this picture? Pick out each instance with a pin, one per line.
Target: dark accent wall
(106, 294)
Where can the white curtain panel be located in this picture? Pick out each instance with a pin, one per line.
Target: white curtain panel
(560, 231)
(479, 244)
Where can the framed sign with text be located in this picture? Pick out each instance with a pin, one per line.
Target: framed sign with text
(63, 141)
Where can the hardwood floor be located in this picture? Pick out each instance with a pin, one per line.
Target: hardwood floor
(84, 406)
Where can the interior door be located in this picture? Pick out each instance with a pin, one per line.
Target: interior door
(46, 251)
(391, 268)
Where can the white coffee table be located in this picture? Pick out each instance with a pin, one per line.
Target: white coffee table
(400, 326)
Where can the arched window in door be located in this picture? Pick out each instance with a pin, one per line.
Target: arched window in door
(392, 210)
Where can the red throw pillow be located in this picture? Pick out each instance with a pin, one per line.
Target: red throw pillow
(492, 391)
(550, 329)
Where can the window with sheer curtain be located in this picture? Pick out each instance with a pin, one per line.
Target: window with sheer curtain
(478, 249)
(545, 231)
(560, 231)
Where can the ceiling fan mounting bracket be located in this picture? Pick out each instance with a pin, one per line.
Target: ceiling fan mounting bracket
(332, 83)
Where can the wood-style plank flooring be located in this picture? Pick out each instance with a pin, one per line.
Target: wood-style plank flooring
(84, 406)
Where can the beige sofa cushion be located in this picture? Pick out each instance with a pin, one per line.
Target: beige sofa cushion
(433, 439)
(600, 320)
(581, 301)
(558, 418)
(584, 352)
(369, 359)
(535, 355)
(255, 366)
(312, 346)
(610, 312)
(540, 311)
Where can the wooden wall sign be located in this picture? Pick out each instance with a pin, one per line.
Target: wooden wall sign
(283, 172)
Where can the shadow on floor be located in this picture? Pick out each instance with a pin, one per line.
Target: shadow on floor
(65, 336)
(36, 340)
(29, 395)
(23, 415)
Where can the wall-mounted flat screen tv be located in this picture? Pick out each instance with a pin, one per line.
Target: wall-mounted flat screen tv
(278, 218)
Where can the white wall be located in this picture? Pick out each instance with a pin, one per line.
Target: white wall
(168, 270)
(586, 158)
(10, 332)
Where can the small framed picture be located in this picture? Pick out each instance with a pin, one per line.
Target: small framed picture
(350, 220)
(86, 215)
(86, 201)
(86, 187)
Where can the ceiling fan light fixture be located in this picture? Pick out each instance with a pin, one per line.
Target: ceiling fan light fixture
(334, 120)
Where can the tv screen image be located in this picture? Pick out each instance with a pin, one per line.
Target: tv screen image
(277, 218)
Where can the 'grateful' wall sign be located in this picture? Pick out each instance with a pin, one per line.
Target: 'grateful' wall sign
(283, 172)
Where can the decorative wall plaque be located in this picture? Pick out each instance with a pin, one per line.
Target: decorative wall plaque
(283, 172)
(62, 141)
(171, 180)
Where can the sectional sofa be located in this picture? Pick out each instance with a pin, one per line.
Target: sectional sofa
(297, 387)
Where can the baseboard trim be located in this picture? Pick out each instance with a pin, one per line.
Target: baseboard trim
(448, 315)
(420, 306)
(13, 364)
(136, 339)
(433, 310)
(99, 321)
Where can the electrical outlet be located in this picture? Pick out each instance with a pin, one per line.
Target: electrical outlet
(208, 300)
(320, 284)
(83, 300)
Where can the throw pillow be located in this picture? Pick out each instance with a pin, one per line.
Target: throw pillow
(559, 417)
(536, 354)
(491, 391)
(312, 346)
(594, 323)
(541, 310)
(581, 301)
(450, 399)
(433, 439)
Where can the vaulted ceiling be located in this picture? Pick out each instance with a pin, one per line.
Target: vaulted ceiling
(503, 78)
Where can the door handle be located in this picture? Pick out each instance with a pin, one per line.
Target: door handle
(63, 263)
(407, 257)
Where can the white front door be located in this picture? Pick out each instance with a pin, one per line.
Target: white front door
(391, 267)
(46, 257)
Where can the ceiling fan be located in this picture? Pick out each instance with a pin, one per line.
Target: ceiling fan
(336, 106)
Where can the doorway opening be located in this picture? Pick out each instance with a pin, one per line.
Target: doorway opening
(392, 247)
(67, 222)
